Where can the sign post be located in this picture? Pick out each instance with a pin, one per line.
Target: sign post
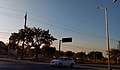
(59, 44)
(64, 40)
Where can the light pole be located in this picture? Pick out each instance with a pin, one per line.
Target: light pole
(107, 31)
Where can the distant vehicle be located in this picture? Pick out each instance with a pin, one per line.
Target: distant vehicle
(63, 61)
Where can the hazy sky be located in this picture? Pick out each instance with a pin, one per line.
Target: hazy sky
(78, 19)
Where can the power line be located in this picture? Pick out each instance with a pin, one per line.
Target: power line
(77, 46)
(83, 33)
(68, 27)
(50, 20)
(13, 9)
(5, 32)
(11, 15)
(117, 18)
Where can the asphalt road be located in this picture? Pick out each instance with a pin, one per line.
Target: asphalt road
(18, 65)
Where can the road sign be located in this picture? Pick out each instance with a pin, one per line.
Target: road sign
(67, 39)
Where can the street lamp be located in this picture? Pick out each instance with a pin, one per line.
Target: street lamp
(107, 31)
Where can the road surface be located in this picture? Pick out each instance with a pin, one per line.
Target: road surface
(18, 65)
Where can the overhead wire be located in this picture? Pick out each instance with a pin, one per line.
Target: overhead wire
(5, 32)
(12, 9)
(115, 17)
(11, 15)
(82, 33)
(68, 27)
(77, 46)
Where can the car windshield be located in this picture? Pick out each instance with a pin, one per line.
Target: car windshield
(62, 58)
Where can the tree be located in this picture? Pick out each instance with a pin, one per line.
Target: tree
(41, 37)
(13, 40)
(49, 51)
(3, 49)
(95, 55)
(114, 54)
(69, 53)
(80, 56)
(21, 39)
(31, 37)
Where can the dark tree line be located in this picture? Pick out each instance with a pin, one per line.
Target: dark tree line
(26, 38)
(114, 54)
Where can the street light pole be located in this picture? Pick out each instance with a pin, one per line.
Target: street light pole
(107, 31)
(107, 38)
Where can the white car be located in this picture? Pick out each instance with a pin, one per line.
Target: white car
(63, 61)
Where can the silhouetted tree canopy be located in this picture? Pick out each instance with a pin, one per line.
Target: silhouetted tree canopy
(95, 55)
(31, 37)
(69, 53)
(114, 54)
(81, 55)
(49, 50)
(3, 49)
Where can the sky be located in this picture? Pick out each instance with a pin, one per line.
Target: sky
(79, 19)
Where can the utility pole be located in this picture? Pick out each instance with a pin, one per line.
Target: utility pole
(107, 39)
(107, 31)
(25, 20)
(24, 39)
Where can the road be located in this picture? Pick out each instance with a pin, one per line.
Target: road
(18, 65)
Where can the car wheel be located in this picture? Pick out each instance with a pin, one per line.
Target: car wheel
(72, 65)
(60, 65)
